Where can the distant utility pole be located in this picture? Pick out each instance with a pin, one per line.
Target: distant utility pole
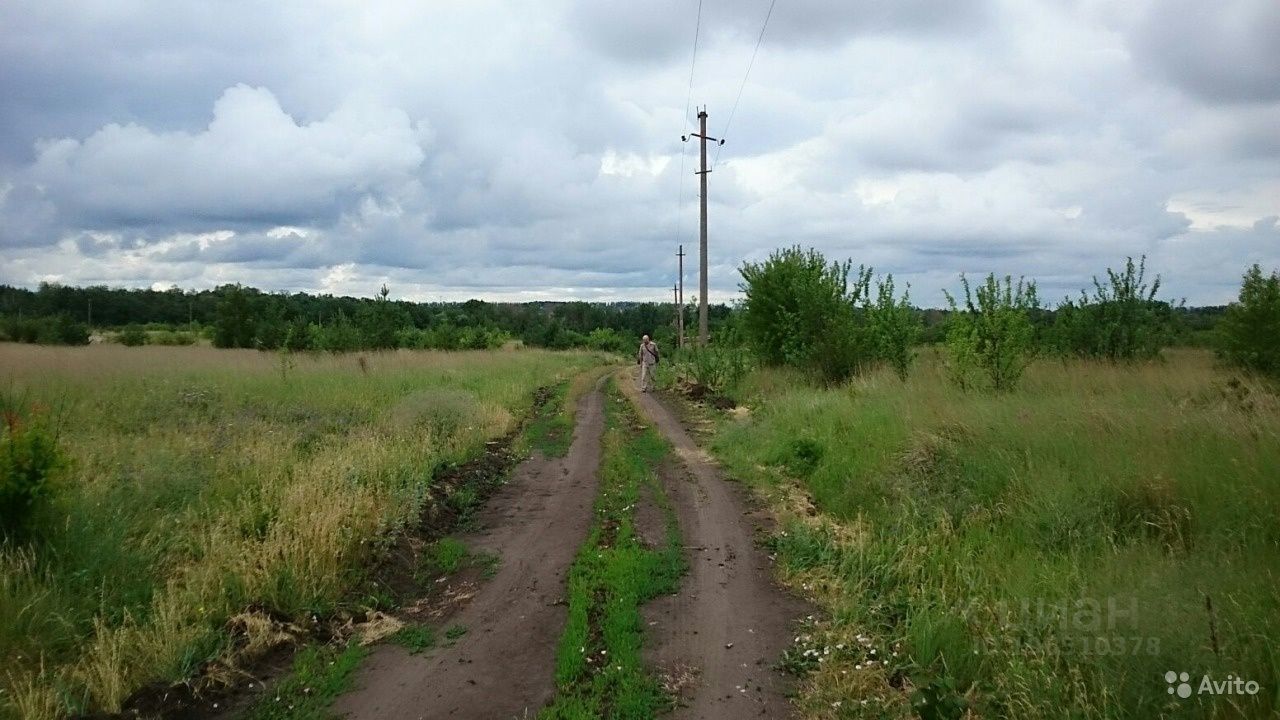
(675, 302)
(680, 299)
(702, 227)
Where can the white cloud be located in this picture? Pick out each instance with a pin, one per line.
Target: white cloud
(517, 150)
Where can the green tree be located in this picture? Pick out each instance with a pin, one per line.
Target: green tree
(1121, 321)
(381, 323)
(1249, 334)
(990, 339)
(799, 311)
(894, 326)
(802, 311)
(234, 325)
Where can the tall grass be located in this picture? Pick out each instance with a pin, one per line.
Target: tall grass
(1050, 552)
(206, 481)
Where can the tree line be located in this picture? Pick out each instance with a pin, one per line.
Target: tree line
(236, 316)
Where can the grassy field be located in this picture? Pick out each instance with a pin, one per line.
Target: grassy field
(204, 482)
(1046, 553)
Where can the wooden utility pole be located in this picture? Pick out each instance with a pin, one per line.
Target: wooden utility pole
(680, 300)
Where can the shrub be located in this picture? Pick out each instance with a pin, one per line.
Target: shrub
(58, 330)
(172, 337)
(608, 340)
(1249, 334)
(802, 311)
(991, 340)
(28, 459)
(234, 326)
(894, 327)
(132, 336)
(1121, 321)
(712, 369)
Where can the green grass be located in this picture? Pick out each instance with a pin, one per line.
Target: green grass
(202, 482)
(454, 633)
(599, 671)
(550, 431)
(1050, 552)
(444, 557)
(319, 675)
(415, 638)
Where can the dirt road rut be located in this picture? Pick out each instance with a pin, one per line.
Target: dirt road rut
(503, 666)
(721, 634)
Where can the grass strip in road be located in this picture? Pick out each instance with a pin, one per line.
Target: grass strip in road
(599, 669)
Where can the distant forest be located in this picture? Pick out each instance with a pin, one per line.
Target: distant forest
(237, 316)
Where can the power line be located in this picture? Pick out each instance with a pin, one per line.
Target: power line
(725, 133)
(693, 62)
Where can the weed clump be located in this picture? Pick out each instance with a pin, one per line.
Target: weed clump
(29, 458)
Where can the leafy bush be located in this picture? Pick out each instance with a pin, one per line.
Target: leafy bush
(802, 311)
(338, 336)
(894, 327)
(172, 337)
(132, 336)
(609, 340)
(57, 330)
(235, 324)
(1249, 334)
(1121, 321)
(28, 459)
(712, 369)
(991, 341)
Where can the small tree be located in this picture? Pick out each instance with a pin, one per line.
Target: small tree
(894, 326)
(802, 311)
(796, 306)
(1249, 334)
(992, 338)
(381, 324)
(234, 326)
(1121, 321)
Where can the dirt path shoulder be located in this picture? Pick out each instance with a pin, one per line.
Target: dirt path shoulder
(502, 667)
(719, 637)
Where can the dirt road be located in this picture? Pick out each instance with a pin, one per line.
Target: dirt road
(728, 625)
(503, 666)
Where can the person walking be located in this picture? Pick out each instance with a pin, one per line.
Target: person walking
(646, 358)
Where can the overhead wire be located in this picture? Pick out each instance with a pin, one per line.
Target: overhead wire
(693, 62)
(751, 63)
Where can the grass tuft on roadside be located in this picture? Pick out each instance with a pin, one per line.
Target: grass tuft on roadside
(319, 675)
(599, 669)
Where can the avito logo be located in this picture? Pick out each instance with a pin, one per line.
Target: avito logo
(1180, 685)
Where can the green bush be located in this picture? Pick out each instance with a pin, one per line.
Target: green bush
(894, 327)
(990, 341)
(1249, 334)
(57, 330)
(1122, 320)
(28, 459)
(801, 311)
(132, 336)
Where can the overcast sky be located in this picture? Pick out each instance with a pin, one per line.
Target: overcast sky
(527, 150)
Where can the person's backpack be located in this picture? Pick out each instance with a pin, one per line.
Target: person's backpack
(656, 357)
